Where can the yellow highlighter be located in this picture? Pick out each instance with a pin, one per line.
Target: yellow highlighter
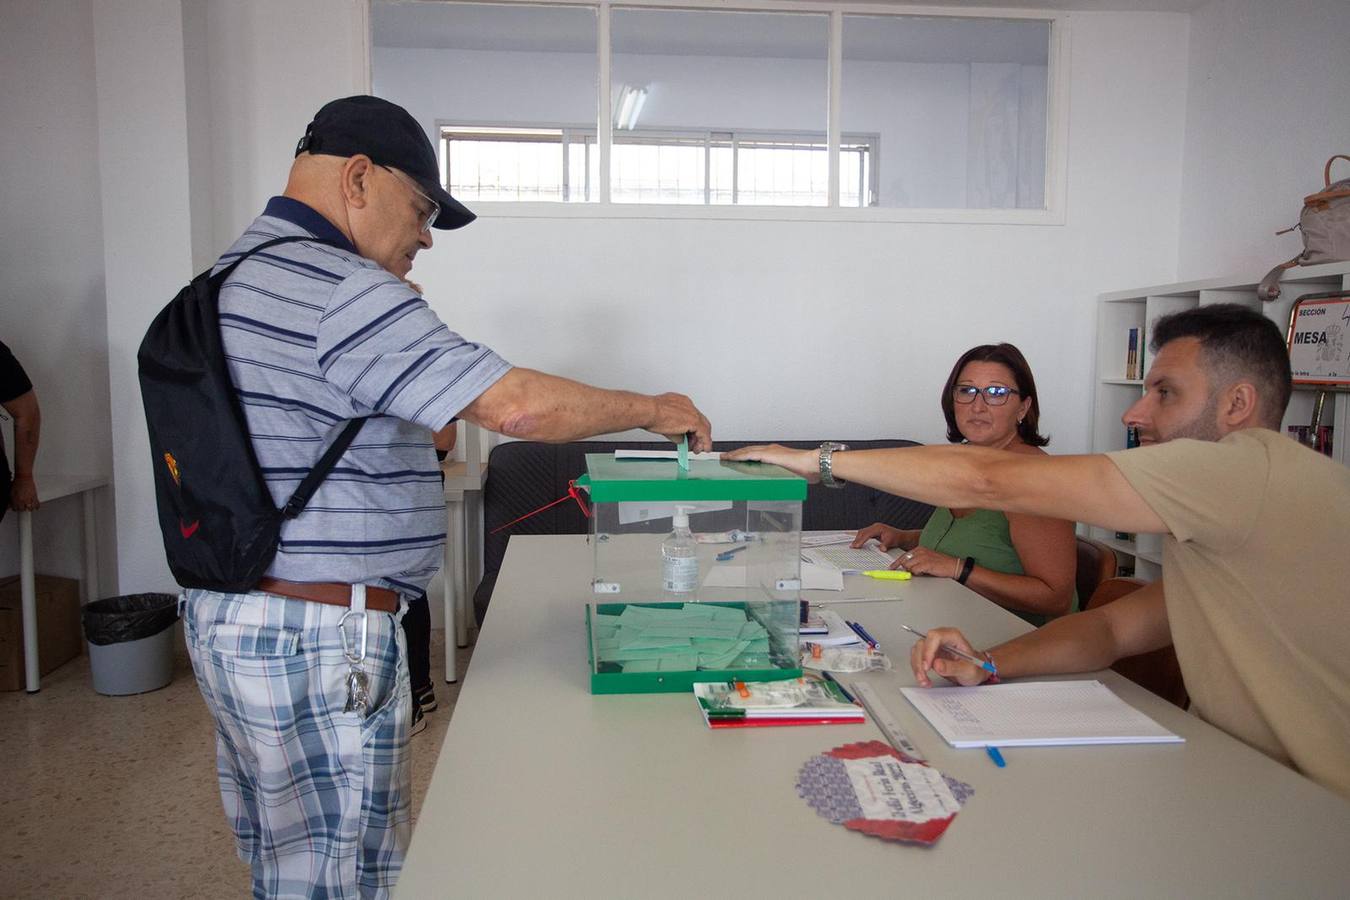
(888, 574)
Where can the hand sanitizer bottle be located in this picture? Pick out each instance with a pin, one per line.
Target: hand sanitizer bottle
(679, 556)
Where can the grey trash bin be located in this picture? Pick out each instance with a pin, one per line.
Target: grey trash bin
(130, 641)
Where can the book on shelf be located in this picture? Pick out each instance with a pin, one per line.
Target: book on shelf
(1134, 354)
(799, 701)
(1319, 440)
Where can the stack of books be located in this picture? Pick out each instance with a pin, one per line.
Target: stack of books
(801, 701)
(1134, 355)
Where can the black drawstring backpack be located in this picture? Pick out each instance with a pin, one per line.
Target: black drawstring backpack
(219, 523)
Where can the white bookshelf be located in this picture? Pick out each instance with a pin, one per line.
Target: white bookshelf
(1113, 394)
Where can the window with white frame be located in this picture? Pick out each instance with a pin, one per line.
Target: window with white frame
(716, 107)
(710, 168)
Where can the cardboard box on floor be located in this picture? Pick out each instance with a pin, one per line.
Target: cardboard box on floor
(60, 637)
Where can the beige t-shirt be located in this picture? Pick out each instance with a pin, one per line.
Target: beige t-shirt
(1256, 574)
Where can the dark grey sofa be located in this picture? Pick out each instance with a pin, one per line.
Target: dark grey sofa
(525, 475)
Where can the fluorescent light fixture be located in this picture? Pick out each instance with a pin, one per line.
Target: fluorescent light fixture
(628, 106)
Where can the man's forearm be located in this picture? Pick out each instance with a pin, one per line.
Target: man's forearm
(536, 406)
(1078, 643)
(1088, 641)
(27, 431)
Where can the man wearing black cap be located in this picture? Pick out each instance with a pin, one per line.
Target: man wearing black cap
(305, 675)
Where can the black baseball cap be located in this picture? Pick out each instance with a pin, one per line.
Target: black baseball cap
(390, 136)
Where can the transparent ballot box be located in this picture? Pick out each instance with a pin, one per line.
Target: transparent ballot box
(697, 573)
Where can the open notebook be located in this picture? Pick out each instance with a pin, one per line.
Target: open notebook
(1035, 714)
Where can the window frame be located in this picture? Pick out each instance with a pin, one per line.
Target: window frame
(1056, 144)
(708, 137)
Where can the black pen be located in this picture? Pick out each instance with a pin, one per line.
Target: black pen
(834, 681)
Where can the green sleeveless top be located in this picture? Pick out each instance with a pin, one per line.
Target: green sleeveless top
(983, 534)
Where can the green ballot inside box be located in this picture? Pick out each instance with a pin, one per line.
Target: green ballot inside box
(697, 572)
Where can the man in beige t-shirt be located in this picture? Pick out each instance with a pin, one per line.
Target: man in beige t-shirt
(1257, 597)
(1258, 589)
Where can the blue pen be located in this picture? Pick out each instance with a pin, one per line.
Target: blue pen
(727, 554)
(995, 756)
(863, 635)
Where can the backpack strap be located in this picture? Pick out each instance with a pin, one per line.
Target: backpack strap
(219, 277)
(305, 491)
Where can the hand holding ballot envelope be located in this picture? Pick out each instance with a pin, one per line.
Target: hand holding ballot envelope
(675, 415)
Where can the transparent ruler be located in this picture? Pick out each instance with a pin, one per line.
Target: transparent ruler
(885, 721)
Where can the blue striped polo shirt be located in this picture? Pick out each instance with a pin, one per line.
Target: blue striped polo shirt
(316, 335)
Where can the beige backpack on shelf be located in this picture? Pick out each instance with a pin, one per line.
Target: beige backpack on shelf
(1325, 224)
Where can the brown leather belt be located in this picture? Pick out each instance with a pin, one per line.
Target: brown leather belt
(332, 593)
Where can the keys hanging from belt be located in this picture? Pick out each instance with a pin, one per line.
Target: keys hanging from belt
(354, 629)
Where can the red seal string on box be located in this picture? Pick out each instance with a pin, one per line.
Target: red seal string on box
(573, 493)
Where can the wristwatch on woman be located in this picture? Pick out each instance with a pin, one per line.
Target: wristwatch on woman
(826, 458)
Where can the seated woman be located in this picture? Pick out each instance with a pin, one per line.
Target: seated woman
(1023, 563)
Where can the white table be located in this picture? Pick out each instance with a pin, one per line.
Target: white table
(543, 789)
(54, 487)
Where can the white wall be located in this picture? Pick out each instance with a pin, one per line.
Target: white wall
(230, 120)
(737, 313)
(147, 239)
(784, 329)
(1269, 103)
(51, 259)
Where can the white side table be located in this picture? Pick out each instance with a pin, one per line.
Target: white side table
(54, 487)
(463, 543)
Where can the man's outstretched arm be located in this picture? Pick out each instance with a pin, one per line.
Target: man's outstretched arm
(536, 406)
(1077, 488)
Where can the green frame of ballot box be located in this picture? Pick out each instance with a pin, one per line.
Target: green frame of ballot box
(668, 682)
(610, 480)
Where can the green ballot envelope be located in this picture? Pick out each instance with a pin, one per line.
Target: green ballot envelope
(697, 573)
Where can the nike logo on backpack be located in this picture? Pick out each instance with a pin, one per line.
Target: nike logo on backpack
(188, 530)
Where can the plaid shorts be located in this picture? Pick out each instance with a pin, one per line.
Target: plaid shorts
(320, 800)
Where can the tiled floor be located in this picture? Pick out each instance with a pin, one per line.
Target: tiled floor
(116, 796)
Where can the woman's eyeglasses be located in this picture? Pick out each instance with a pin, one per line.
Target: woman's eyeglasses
(994, 394)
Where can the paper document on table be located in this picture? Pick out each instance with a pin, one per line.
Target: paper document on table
(665, 454)
(727, 576)
(821, 578)
(849, 559)
(825, 538)
(838, 633)
(813, 578)
(631, 511)
(1035, 714)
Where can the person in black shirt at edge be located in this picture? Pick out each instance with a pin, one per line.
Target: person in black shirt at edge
(20, 401)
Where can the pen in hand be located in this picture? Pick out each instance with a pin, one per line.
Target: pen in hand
(982, 663)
